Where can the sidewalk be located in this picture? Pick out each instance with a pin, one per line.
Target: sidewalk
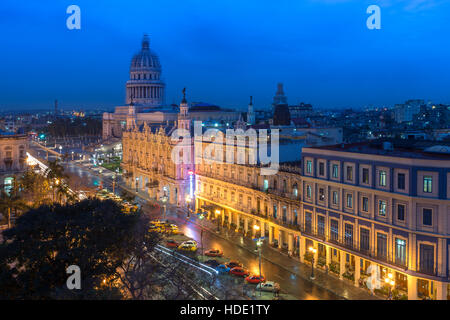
(342, 288)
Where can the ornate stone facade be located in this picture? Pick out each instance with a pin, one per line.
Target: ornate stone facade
(148, 165)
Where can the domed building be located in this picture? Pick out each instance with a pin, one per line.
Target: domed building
(145, 87)
(145, 102)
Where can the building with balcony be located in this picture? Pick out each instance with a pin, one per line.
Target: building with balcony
(369, 209)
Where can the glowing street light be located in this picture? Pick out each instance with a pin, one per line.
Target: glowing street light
(218, 220)
(313, 251)
(391, 283)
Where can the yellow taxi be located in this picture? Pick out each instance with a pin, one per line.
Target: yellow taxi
(187, 247)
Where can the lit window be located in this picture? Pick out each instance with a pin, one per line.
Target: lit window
(308, 191)
(308, 166)
(335, 171)
(365, 204)
(365, 175)
(382, 178)
(349, 200)
(428, 184)
(335, 197)
(349, 173)
(382, 208)
(321, 194)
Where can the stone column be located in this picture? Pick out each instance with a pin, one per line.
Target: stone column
(412, 288)
(237, 222)
(341, 264)
(223, 217)
(262, 226)
(280, 238)
(357, 270)
(291, 242)
(230, 218)
(270, 234)
(441, 290)
(302, 249)
(197, 204)
(328, 254)
(253, 229)
(245, 225)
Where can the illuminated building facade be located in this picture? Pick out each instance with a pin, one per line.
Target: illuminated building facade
(13, 148)
(369, 210)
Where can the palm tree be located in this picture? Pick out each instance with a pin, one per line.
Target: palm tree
(54, 174)
(55, 170)
(9, 202)
(62, 190)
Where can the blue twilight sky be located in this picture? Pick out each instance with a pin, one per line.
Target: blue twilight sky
(224, 51)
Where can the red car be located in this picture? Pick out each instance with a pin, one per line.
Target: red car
(238, 271)
(214, 253)
(255, 279)
(172, 243)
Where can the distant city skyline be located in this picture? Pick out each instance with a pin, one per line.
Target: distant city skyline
(321, 50)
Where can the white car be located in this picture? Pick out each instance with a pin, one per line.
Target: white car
(268, 286)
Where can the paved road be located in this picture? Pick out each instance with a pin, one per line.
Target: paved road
(290, 282)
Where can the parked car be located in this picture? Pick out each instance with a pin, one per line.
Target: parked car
(190, 242)
(212, 263)
(172, 243)
(239, 271)
(214, 253)
(233, 264)
(158, 222)
(269, 286)
(255, 279)
(187, 247)
(154, 228)
(171, 229)
(222, 268)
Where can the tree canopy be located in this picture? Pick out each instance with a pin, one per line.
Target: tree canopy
(95, 235)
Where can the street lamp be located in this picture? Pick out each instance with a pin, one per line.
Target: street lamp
(60, 149)
(256, 228)
(391, 283)
(313, 251)
(72, 155)
(259, 245)
(218, 220)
